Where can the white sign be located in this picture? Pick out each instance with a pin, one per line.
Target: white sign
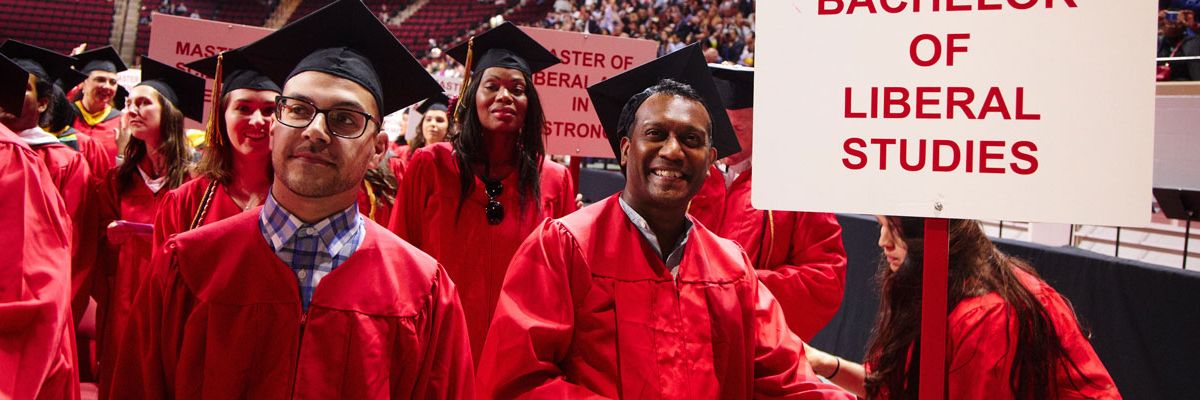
(1031, 110)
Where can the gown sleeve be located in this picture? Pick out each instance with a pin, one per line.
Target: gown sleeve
(448, 371)
(35, 322)
(781, 370)
(532, 329)
(567, 197)
(154, 333)
(812, 278)
(167, 220)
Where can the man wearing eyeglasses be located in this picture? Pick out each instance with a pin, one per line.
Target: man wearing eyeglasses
(304, 297)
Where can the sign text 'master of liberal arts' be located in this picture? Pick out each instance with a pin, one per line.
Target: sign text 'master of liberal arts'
(955, 108)
(572, 127)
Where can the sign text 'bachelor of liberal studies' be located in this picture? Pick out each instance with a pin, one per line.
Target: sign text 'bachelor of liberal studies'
(1006, 109)
(995, 156)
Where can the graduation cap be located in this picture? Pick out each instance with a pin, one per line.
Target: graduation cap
(182, 89)
(504, 46)
(235, 72)
(13, 80)
(119, 97)
(102, 59)
(736, 85)
(346, 40)
(47, 65)
(687, 65)
(232, 71)
(439, 102)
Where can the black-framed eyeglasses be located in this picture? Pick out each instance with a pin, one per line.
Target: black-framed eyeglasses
(340, 122)
(494, 210)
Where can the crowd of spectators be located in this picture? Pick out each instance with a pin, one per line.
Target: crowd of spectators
(1177, 37)
(724, 27)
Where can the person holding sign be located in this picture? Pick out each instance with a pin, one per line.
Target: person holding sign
(156, 160)
(630, 297)
(471, 202)
(234, 173)
(798, 255)
(1010, 335)
(304, 297)
(36, 331)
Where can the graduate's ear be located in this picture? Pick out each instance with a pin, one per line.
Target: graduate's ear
(43, 105)
(381, 147)
(624, 156)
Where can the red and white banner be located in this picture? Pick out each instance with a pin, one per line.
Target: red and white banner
(180, 40)
(572, 127)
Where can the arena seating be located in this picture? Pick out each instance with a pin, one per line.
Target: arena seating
(445, 21)
(239, 12)
(57, 25)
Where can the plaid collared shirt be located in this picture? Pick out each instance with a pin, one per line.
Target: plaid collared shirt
(312, 250)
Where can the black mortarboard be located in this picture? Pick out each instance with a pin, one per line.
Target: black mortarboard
(438, 102)
(236, 72)
(13, 80)
(687, 65)
(736, 84)
(45, 64)
(101, 59)
(346, 40)
(184, 90)
(119, 97)
(504, 46)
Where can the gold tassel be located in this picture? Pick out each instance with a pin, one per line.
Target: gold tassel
(462, 91)
(212, 134)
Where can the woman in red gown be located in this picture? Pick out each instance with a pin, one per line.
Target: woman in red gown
(234, 173)
(471, 202)
(1010, 335)
(155, 161)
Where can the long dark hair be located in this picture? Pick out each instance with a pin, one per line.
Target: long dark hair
(469, 146)
(976, 268)
(174, 149)
(216, 162)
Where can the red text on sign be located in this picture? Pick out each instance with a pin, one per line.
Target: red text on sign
(941, 155)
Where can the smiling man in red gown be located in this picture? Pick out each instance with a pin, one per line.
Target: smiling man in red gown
(630, 297)
(303, 297)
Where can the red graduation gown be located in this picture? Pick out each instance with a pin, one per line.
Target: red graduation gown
(100, 163)
(179, 206)
(221, 319)
(99, 160)
(804, 265)
(979, 353)
(122, 268)
(103, 132)
(73, 177)
(474, 253)
(37, 354)
(588, 310)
